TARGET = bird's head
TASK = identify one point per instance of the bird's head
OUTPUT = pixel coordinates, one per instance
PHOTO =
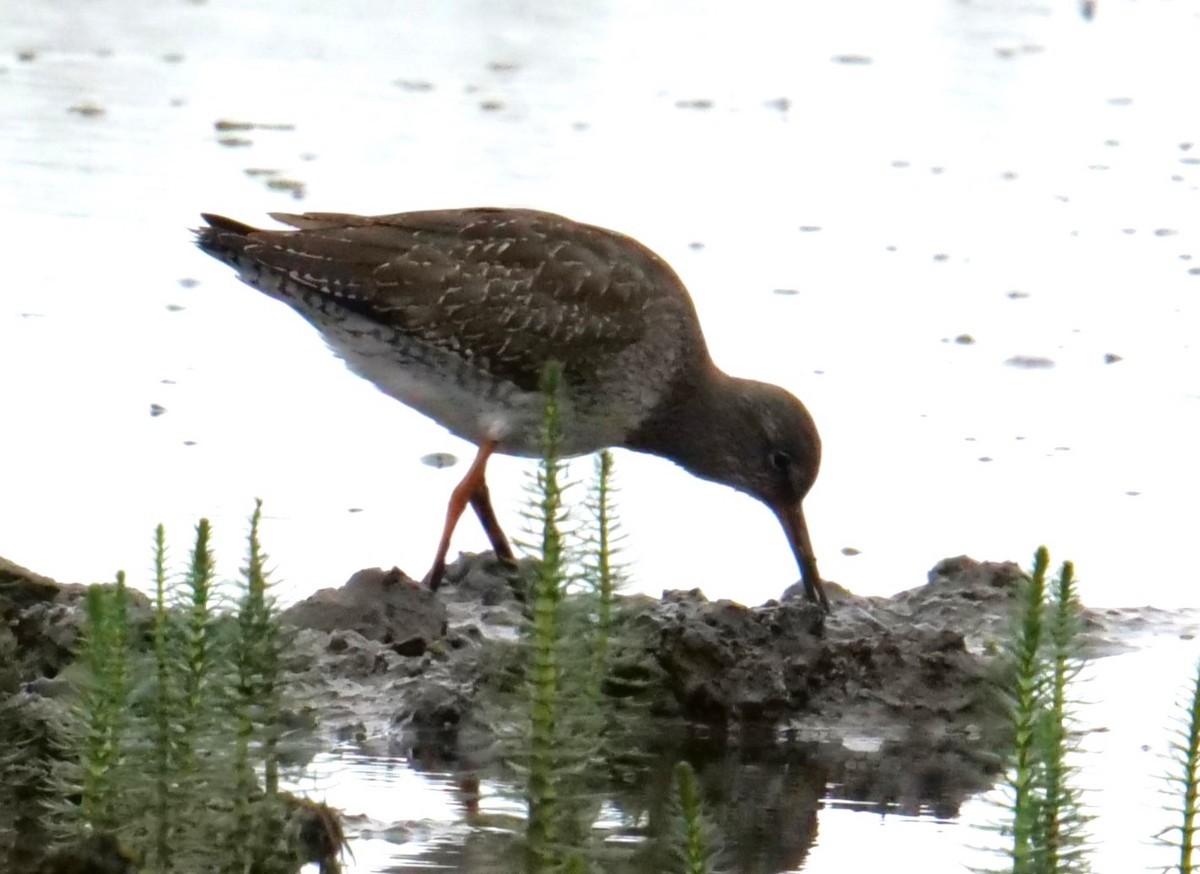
(773, 452)
(753, 436)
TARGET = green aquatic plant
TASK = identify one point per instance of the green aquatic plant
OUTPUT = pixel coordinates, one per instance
(602, 574)
(196, 659)
(543, 674)
(693, 848)
(566, 642)
(179, 748)
(164, 715)
(104, 705)
(1047, 826)
(259, 812)
(580, 734)
(1184, 782)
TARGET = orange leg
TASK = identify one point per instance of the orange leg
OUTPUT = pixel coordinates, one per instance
(472, 490)
(481, 503)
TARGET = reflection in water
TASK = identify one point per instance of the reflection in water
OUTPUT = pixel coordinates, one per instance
(761, 799)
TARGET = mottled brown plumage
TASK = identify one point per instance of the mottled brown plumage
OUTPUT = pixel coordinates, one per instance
(457, 312)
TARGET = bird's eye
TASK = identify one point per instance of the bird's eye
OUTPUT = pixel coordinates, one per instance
(780, 460)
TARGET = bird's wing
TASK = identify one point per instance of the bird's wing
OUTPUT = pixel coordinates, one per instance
(497, 286)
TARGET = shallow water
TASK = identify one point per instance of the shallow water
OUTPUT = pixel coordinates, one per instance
(874, 204)
(808, 805)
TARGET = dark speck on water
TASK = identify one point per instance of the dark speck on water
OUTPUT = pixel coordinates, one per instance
(1030, 362)
(440, 459)
(279, 183)
(87, 110)
(225, 124)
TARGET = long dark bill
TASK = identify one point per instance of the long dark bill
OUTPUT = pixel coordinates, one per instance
(792, 519)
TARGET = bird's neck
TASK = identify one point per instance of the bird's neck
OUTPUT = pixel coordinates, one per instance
(689, 426)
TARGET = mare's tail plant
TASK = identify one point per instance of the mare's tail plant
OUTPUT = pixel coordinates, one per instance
(104, 706)
(602, 574)
(197, 660)
(1047, 825)
(569, 619)
(1184, 782)
(543, 674)
(692, 845)
(165, 712)
(187, 768)
(259, 812)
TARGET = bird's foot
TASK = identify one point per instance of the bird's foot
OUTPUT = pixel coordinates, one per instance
(433, 579)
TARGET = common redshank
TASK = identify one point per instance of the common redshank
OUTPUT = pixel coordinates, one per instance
(457, 312)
